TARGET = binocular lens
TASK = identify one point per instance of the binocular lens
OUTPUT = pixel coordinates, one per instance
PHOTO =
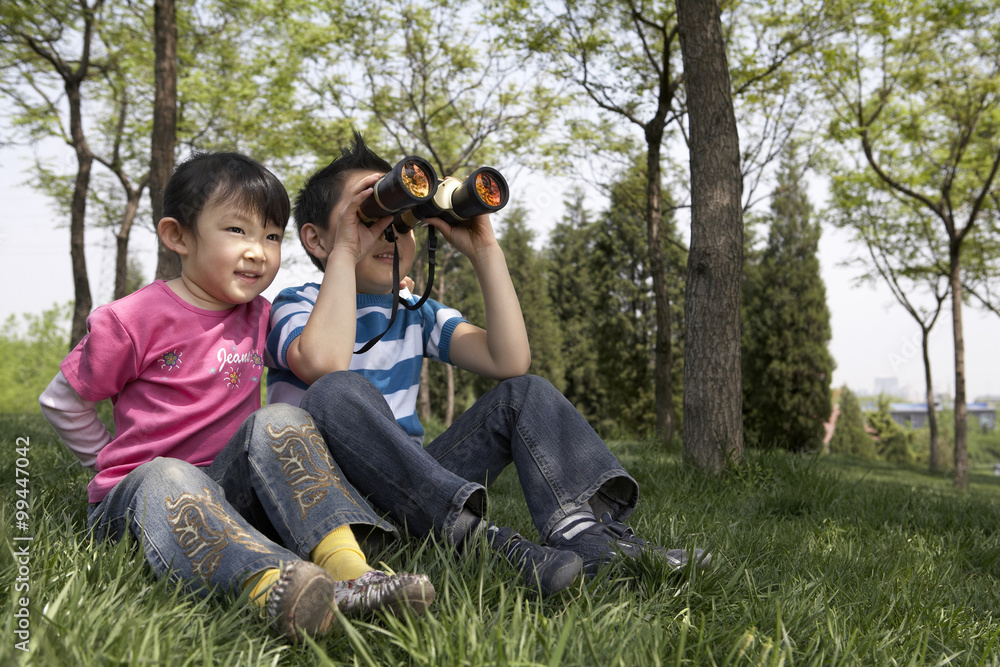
(409, 183)
(484, 191)
(416, 180)
(489, 190)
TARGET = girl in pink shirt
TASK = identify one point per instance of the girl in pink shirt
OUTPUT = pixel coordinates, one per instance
(222, 493)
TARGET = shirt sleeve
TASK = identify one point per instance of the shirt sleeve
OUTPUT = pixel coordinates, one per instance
(289, 314)
(75, 419)
(439, 325)
(105, 360)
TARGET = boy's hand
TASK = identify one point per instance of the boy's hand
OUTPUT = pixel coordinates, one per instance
(471, 237)
(353, 236)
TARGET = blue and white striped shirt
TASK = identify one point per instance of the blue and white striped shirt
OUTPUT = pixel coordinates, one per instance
(392, 365)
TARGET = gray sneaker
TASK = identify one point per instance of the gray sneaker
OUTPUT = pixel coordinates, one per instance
(301, 601)
(376, 590)
(603, 542)
(545, 570)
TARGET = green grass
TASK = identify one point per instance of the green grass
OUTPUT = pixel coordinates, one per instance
(817, 562)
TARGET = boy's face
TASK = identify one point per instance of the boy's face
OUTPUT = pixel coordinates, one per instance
(373, 272)
(232, 258)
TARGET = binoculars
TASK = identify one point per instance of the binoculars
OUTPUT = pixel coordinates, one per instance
(411, 192)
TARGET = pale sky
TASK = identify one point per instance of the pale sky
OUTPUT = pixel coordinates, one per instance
(873, 337)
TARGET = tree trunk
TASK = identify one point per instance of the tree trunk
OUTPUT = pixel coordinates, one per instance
(713, 411)
(424, 390)
(161, 161)
(663, 352)
(449, 408)
(449, 371)
(78, 213)
(961, 476)
(932, 424)
(121, 241)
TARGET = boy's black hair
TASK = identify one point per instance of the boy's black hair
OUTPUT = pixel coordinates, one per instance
(224, 178)
(321, 192)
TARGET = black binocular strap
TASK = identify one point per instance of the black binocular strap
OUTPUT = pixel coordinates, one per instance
(396, 299)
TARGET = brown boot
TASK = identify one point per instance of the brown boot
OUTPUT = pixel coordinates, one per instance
(302, 602)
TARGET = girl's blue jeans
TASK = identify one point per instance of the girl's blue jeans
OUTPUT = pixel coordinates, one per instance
(561, 462)
(269, 497)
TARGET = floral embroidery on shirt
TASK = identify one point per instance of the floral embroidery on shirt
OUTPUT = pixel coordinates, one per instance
(170, 360)
(256, 360)
(233, 378)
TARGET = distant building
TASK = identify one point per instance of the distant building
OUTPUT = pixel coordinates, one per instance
(914, 415)
(887, 386)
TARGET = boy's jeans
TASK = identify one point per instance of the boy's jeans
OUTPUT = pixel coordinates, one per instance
(561, 462)
(274, 484)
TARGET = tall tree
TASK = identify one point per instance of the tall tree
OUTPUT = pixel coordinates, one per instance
(116, 133)
(625, 60)
(527, 271)
(624, 312)
(232, 75)
(574, 298)
(164, 138)
(599, 45)
(713, 420)
(901, 247)
(787, 365)
(58, 41)
(849, 435)
(122, 138)
(916, 86)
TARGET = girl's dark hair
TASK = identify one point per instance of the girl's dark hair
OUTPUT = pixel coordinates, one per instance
(320, 194)
(224, 178)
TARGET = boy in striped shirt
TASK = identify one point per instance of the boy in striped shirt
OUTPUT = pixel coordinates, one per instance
(365, 404)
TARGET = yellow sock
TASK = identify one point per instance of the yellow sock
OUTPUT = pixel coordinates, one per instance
(340, 554)
(262, 583)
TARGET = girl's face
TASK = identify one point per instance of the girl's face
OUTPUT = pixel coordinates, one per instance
(231, 259)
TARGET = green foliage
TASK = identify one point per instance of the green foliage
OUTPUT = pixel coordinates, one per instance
(623, 61)
(432, 78)
(527, 271)
(458, 287)
(245, 81)
(893, 443)
(850, 436)
(574, 299)
(32, 350)
(983, 445)
(787, 365)
(914, 91)
(624, 314)
(601, 290)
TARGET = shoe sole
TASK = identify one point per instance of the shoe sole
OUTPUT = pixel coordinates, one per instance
(311, 610)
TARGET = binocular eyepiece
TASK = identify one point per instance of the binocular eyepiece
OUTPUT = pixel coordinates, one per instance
(411, 192)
